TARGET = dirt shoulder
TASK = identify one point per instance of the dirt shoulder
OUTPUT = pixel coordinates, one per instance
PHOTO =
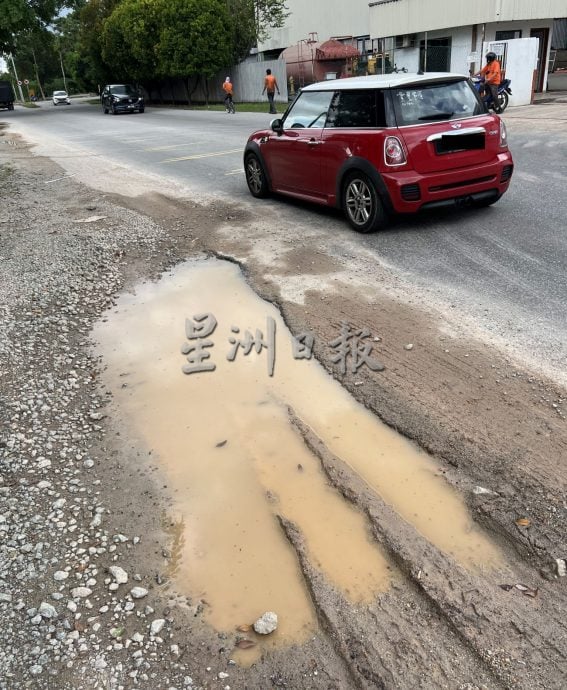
(67, 457)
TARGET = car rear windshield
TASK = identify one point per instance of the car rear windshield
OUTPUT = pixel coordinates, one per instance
(416, 105)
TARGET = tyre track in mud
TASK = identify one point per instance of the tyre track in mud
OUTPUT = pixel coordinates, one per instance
(484, 617)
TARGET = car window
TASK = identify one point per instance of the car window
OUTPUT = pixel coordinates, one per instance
(59, 93)
(435, 102)
(309, 110)
(363, 108)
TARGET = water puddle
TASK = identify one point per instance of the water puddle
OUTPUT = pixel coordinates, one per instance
(235, 462)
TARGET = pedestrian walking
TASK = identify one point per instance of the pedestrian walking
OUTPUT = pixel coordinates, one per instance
(228, 102)
(270, 87)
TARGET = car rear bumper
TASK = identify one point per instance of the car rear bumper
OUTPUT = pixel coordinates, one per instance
(410, 191)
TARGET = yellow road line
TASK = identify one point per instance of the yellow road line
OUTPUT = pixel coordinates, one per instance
(202, 155)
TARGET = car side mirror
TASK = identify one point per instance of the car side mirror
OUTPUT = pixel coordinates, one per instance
(277, 125)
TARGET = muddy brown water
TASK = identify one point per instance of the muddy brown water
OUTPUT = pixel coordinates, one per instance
(235, 462)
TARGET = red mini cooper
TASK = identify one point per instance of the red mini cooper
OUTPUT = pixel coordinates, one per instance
(384, 144)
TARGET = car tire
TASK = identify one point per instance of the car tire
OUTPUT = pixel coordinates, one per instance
(502, 101)
(113, 110)
(256, 177)
(361, 204)
(141, 110)
(105, 110)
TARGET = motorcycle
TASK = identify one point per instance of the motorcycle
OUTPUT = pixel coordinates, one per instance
(504, 91)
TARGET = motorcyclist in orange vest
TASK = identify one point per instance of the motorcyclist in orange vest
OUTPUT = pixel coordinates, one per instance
(492, 75)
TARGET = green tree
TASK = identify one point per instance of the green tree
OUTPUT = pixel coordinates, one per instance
(252, 21)
(92, 68)
(36, 58)
(268, 14)
(129, 39)
(17, 16)
(195, 39)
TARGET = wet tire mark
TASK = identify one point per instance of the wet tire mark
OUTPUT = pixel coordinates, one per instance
(459, 596)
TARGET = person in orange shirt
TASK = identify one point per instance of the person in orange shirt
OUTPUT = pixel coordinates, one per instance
(228, 102)
(270, 87)
(492, 75)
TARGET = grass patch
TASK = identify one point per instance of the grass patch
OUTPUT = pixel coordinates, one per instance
(93, 101)
(240, 107)
(29, 105)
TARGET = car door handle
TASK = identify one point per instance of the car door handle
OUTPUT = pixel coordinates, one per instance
(314, 142)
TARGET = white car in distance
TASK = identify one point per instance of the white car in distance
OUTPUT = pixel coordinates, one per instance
(61, 98)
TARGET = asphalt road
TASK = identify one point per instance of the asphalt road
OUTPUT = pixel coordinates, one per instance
(202, 149)
(502, 269)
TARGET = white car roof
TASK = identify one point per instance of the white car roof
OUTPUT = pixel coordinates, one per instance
(382, 81)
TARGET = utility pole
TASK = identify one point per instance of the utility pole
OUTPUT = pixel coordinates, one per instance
(63, 70)
(37, 74)
(11, 57)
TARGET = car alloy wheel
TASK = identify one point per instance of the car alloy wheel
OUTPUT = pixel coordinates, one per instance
(362, 206)
(255, 176)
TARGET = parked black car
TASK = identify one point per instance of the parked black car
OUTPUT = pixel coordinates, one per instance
(6, 95)
(121, 98)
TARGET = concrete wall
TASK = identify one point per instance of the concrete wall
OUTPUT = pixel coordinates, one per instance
(329, 18)
(460, 49)
(398, 17)
(521, 61)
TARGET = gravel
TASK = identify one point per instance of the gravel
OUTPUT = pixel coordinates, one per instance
(64, 614)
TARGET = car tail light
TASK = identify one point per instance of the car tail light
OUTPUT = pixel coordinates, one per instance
(503, 135)
(394, 152)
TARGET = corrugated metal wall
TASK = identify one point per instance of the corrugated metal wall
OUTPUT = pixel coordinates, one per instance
(398, 17)
(559, 36)
(248, 80)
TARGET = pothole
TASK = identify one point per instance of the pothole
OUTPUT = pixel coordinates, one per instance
(235, 461)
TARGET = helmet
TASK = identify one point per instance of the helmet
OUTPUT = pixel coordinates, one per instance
(490, 57)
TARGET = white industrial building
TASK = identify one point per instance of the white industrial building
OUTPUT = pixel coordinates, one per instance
(324, 18)
(436, 35)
